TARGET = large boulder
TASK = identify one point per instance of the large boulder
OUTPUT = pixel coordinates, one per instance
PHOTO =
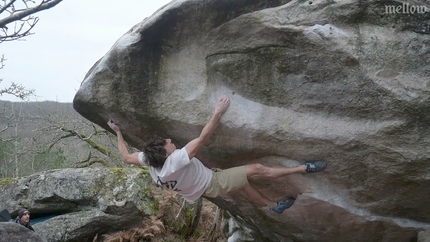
(85, 202)
(17, 233)
(424, 236)
(347, 81)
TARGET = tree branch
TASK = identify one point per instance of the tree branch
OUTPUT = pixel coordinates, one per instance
(46, 4)
(7, 6)
(88, 140)
(17, 90)
(60, 138)
(2, 130)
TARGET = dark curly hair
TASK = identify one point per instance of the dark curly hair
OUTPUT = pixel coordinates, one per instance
(155, 152)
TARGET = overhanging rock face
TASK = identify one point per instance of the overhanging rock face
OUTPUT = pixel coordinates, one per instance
(346, 81)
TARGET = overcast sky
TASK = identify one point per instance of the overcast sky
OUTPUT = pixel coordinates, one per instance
(69, 38)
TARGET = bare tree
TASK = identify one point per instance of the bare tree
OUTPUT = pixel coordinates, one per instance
(63, 127)
(16, 22)
(19, 20)
(62, 132)
(17, 90)
(13, 156)
(14, 89)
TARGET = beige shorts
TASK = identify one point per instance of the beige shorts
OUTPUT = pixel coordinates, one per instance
(225, 181)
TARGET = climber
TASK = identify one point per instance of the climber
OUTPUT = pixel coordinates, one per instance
(180, 171)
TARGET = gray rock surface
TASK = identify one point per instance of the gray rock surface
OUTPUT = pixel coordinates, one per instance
(12, 232)
(424, 236)
(342, 80)
(235, 229)
(89, 201)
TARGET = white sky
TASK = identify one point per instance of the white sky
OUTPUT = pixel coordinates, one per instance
(69, 38)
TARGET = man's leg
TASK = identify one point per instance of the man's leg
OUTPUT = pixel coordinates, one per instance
(256, 196)
(260, 171)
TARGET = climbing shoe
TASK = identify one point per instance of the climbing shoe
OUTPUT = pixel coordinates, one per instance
(315, 166)
(282, 205)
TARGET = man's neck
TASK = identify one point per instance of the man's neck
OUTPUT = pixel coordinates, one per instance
(22, 222)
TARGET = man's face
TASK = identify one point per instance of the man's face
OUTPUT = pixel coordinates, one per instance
(169, 146)
(25, 218)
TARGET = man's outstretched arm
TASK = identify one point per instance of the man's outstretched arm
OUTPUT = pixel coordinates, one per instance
(193, 146)
(122, 147)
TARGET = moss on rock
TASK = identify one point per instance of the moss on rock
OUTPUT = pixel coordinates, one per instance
(5, 181)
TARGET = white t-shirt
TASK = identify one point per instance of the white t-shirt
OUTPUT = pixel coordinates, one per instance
(190, 178)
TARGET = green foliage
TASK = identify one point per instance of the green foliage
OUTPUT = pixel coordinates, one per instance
(5, 149)
(120, 173)
(188, 220)
(51, 159)
(5, 181)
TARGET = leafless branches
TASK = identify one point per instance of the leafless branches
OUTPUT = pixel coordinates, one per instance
(16, 22)
(14, 89)
(17, 18)
(2, 60)
(17, 90)
(61, 127)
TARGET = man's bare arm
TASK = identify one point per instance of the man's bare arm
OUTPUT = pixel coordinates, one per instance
(122, 147)
(193, 146)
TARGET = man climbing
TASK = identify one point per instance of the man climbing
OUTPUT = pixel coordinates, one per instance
(181, 171)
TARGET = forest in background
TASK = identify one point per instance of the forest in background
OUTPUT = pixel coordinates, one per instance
(38, 136)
